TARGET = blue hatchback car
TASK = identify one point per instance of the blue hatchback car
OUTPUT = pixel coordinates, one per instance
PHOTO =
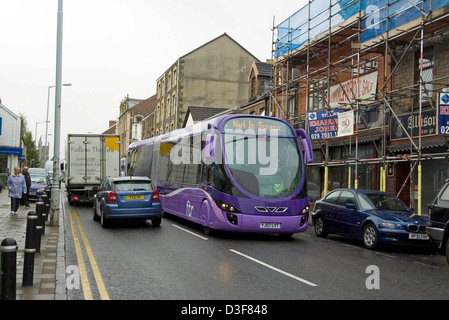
(127, 198)
(40, 184)
(371, 216)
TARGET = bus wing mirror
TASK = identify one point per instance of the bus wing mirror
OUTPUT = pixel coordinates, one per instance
(209, 149)
(302, 134)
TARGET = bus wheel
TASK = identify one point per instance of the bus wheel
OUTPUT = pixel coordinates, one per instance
(207, 230)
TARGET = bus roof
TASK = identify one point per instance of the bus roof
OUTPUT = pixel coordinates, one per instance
(217, 123)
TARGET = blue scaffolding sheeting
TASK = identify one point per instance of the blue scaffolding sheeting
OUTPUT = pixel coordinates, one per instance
(377, 18)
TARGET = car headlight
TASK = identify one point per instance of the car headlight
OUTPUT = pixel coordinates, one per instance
(42, 190)
(390, 225)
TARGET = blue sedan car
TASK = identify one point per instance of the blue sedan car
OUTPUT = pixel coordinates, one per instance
(127, 198)
(371, 216)
(40, 184)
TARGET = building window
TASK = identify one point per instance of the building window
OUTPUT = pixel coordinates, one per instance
(318, 95)
(173, 110)
(427, 74)
(365, 67)
(175, 77)
(292, 107)
(168, 108)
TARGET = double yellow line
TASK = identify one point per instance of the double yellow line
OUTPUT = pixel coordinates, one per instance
(83, 273)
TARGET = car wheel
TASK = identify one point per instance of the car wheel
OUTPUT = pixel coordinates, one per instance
(94, 214)
(319, 228)
(103, 220)
(370, 236)
(156, 222)
(447, 250)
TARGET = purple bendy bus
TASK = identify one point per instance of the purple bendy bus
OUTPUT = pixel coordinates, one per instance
(236, 173)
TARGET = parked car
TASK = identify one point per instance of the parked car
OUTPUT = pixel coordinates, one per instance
(127, 198)
(313, 190)
(438, 220)
(371, 216)
(40, 184)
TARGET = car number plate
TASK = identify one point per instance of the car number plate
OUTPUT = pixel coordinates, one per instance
(418, 236)
(270, 225)
(134, 197)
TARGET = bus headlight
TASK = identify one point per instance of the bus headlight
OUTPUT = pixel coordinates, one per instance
(226, 206)
(305, 211)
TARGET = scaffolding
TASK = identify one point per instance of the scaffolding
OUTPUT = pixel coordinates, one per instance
(353, 55)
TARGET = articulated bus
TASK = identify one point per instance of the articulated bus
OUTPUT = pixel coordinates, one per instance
(239, 173)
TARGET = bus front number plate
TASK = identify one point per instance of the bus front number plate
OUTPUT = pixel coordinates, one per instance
(270, 225)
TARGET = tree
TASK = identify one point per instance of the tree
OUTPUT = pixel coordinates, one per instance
(32, 154)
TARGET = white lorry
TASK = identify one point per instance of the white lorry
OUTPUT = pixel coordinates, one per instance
(90, 158)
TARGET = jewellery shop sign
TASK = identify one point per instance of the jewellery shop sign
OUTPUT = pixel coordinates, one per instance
(411, 124)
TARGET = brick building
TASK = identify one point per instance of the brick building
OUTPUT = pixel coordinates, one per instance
(381, 66)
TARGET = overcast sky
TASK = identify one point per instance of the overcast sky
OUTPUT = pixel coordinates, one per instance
(113, 48)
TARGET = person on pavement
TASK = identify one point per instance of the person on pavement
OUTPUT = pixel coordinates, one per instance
(25, 198)
(17, 187)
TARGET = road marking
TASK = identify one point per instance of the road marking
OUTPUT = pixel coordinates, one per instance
(188, 231)
(100, 284)
(274, 268)
(426, 264)
(384, 254)
(83, 274)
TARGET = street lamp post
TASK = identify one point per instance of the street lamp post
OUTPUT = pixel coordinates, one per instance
(54, 215)
(35, 131)
(48, 107)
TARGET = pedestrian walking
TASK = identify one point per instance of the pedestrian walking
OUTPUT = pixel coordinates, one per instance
(17, 186)
(26, 195)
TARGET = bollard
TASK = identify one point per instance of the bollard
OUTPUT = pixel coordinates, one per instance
(40, 210)
(30, 250)
(38, 232)
(46, 201)
(9, 269)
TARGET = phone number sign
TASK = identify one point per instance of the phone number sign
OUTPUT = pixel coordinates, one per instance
(323, 124)
(443, 113)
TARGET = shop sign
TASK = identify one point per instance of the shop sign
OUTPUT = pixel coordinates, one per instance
(411, 124)
(443, 113)
(346, 92)
(323, 124)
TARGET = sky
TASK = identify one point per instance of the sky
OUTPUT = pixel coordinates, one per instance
(112, 49)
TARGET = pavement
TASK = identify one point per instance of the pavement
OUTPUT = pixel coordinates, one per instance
(49, 277)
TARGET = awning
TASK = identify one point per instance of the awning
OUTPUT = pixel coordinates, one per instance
(344, 142)
(406, 146)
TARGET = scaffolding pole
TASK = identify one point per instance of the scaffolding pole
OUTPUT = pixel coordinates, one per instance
(317, 53)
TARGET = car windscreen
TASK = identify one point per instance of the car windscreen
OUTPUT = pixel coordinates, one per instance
(381, 201)
(132, 186)
(39, 179)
